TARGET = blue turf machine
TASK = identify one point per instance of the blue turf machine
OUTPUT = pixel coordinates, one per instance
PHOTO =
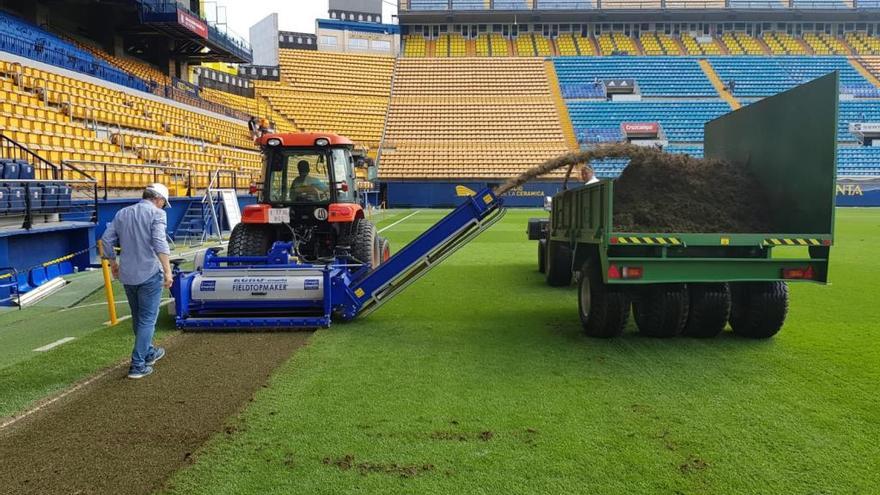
(280, 290)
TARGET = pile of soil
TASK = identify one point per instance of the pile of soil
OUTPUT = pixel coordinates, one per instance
(674, 193)
(663, 192)
(128, 436)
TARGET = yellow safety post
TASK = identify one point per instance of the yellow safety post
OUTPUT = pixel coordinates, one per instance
(108, 285)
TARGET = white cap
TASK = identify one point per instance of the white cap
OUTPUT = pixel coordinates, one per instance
(162, 191)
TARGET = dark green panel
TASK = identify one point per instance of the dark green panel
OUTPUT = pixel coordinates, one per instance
(789, 141)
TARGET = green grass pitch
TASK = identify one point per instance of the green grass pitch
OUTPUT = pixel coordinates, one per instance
(477, 379)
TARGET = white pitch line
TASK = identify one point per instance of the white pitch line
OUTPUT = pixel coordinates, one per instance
(128, 317)
(91, 305)
(397, 222)
(54, 344)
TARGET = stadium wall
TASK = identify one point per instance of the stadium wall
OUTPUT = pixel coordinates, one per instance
(531, 195)
(108, 209)
(449, 194)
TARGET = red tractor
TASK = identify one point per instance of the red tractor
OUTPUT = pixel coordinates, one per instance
(309, 197)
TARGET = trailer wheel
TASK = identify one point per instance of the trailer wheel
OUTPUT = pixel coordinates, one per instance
(759, 309)
(604, 309)
(558, 265)
(542, 255)
(363, 243)
(709, 310)
(661, 310)
(250, 240)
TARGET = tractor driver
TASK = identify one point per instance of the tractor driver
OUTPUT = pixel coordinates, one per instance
(306, 186)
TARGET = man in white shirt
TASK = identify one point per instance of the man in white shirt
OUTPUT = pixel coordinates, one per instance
(588, 176)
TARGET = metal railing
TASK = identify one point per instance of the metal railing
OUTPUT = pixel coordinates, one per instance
(67, 60)
(182, 181)
(49, 201)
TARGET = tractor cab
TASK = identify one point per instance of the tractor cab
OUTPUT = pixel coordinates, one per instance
(309, 197)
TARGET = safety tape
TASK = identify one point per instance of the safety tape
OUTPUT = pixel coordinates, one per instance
(797, 241)
(47, 263)
(662, 241)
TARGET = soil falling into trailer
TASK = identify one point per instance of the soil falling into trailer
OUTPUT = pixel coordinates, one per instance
(666, 192)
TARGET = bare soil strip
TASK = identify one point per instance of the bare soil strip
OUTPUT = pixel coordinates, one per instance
(128, 436)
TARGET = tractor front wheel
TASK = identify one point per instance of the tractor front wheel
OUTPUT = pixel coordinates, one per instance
(250, 240)
(363, 243)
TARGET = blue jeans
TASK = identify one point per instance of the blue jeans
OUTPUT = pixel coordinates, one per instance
(144, 302)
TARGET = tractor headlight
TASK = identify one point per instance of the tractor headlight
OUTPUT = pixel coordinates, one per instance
(322, 142)
(273, 142)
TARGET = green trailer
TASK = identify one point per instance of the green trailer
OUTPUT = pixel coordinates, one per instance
(695, 283)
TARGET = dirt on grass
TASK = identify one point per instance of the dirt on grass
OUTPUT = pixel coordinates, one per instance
(128, 436)
(675, 193)
(662, 192)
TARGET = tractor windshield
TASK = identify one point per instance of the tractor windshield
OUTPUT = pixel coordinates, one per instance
(299, 177)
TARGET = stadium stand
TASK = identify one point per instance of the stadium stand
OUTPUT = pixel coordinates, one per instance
(257, 107)
(414, 46)
(27, 40)
(682, 121)
(694, 47)
(655, 76)
(323, 91)
(764, 76)
(63, 118)
(138, 68)
(469, 118)
(862, 44)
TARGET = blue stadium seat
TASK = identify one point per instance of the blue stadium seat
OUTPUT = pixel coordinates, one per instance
(28, 40)
(858, 161)
(656, 76)
(65, 267)
(64, 197)
(53, 271)
(511, 5)
(428, 5)
(4, 200)
(50, 198)
(563, 4)
(765, 76)
(681, 120)
(34, 193)
(22, 285)
(10, 170)
(37, 277)
(16, 200)
(25, 170)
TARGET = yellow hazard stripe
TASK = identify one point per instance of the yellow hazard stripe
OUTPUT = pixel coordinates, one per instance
(649, 240)
(796, 241)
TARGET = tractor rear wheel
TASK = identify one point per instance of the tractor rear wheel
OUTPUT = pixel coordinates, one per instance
(558, 267)
(661, 310)
(759, 309)
(250, 240)
(363, 243)
(383, 249)
(709, 310)
(542, 255)
(603, 309)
